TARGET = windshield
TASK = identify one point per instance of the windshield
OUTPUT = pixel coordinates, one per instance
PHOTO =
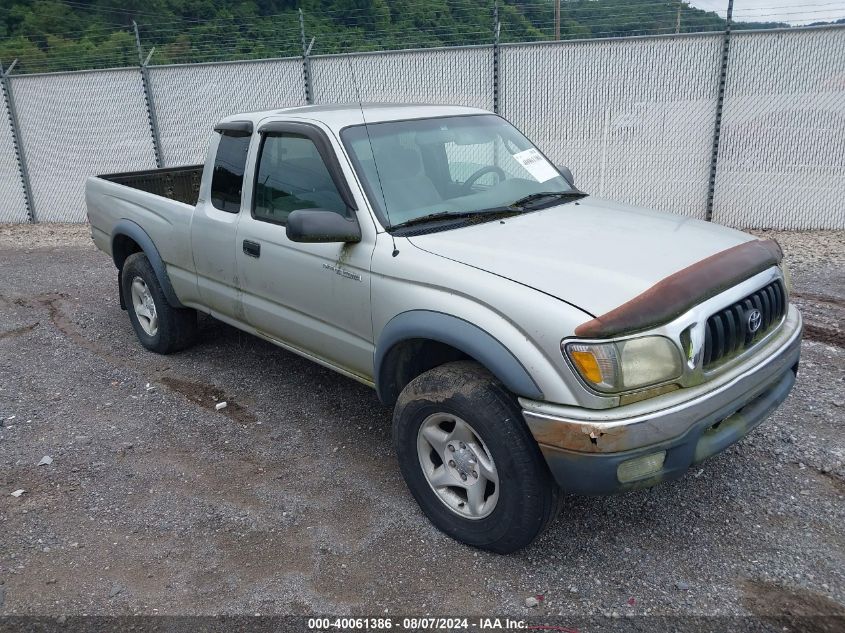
(449, 165)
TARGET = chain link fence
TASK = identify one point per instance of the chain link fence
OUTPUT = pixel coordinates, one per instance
(13, 205)
(74, 125)
(781, 157)
(634, 118)
(459, 76)
(190, 99)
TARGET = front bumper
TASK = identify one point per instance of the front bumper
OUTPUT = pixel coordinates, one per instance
(584, 448)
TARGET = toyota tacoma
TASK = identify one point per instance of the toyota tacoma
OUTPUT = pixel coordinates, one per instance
(531, 339)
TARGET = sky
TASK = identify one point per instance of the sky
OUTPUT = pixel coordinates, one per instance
(790, 11)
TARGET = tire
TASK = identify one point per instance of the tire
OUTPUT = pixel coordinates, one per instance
(525, 500)
(159, 326)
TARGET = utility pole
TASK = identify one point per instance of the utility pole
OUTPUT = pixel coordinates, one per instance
(306, 61)
(678, 21)
(148, 96)
(720, 102)
(557, 19)
(17, 141)
(497, 29)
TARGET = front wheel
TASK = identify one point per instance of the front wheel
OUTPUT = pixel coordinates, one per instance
(470, 461)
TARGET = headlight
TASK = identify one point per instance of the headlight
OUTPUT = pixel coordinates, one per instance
(624, 365)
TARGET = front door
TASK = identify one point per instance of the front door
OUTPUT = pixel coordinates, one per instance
(214, 225)
(314, 297)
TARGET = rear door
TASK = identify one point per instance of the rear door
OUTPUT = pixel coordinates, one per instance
(215, 220)
(312, 297)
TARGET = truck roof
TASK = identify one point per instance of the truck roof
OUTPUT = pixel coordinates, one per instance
(338, 116)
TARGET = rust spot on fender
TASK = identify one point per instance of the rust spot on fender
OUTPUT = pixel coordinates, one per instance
(684, 289)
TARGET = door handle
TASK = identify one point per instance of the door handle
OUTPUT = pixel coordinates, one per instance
(253, 249)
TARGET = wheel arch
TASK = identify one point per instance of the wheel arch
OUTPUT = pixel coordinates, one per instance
(418, 340)
(128, 238)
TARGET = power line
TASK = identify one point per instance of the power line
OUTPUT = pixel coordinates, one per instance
(572, 9)
(261, 22)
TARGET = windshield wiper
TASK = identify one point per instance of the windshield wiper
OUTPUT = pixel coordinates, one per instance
(449, 215)
(514, 208)
(525, 202)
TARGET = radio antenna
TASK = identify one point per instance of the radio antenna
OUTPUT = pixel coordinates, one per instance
(372, 149)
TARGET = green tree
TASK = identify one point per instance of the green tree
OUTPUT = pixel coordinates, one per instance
(62, 35)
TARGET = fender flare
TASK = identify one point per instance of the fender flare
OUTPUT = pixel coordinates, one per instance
(134, 231)
(460, 334)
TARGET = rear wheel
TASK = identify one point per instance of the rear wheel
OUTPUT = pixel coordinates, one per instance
(159, 326)
(470, 461)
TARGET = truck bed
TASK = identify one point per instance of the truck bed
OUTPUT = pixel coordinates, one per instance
(177, 183)
(160, 202)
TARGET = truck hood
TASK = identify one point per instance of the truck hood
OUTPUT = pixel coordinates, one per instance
(594, 254)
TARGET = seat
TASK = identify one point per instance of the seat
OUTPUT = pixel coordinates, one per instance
(404, 184)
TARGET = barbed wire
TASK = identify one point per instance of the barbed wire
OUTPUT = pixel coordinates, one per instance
(229, 38)
(568, 9)
(264, 22)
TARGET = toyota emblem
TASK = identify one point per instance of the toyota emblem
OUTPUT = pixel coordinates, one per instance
(753, 321)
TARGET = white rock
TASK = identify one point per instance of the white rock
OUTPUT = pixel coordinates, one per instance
(220, 405)
(531, 601)
(45, 461)
(18, 493)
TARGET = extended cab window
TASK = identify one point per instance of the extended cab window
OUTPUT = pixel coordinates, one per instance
(292, 175)
(228, 178)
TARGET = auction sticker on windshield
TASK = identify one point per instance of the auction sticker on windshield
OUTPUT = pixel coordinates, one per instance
(536, 165)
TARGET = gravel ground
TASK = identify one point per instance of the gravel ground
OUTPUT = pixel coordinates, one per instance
(289, 500)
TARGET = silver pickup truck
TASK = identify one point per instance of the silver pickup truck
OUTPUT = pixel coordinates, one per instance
(531, 339)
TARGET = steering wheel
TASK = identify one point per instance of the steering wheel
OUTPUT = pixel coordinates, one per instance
(487, 169)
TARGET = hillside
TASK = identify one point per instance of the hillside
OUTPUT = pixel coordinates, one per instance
(51, 35)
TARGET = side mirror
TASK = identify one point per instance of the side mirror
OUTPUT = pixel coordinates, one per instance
(564, 170)
(319, 225)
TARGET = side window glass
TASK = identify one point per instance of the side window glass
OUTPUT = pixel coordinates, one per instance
(292, 175)
(228, 177)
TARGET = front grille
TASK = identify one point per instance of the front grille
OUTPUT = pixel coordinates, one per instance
(728, 334)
